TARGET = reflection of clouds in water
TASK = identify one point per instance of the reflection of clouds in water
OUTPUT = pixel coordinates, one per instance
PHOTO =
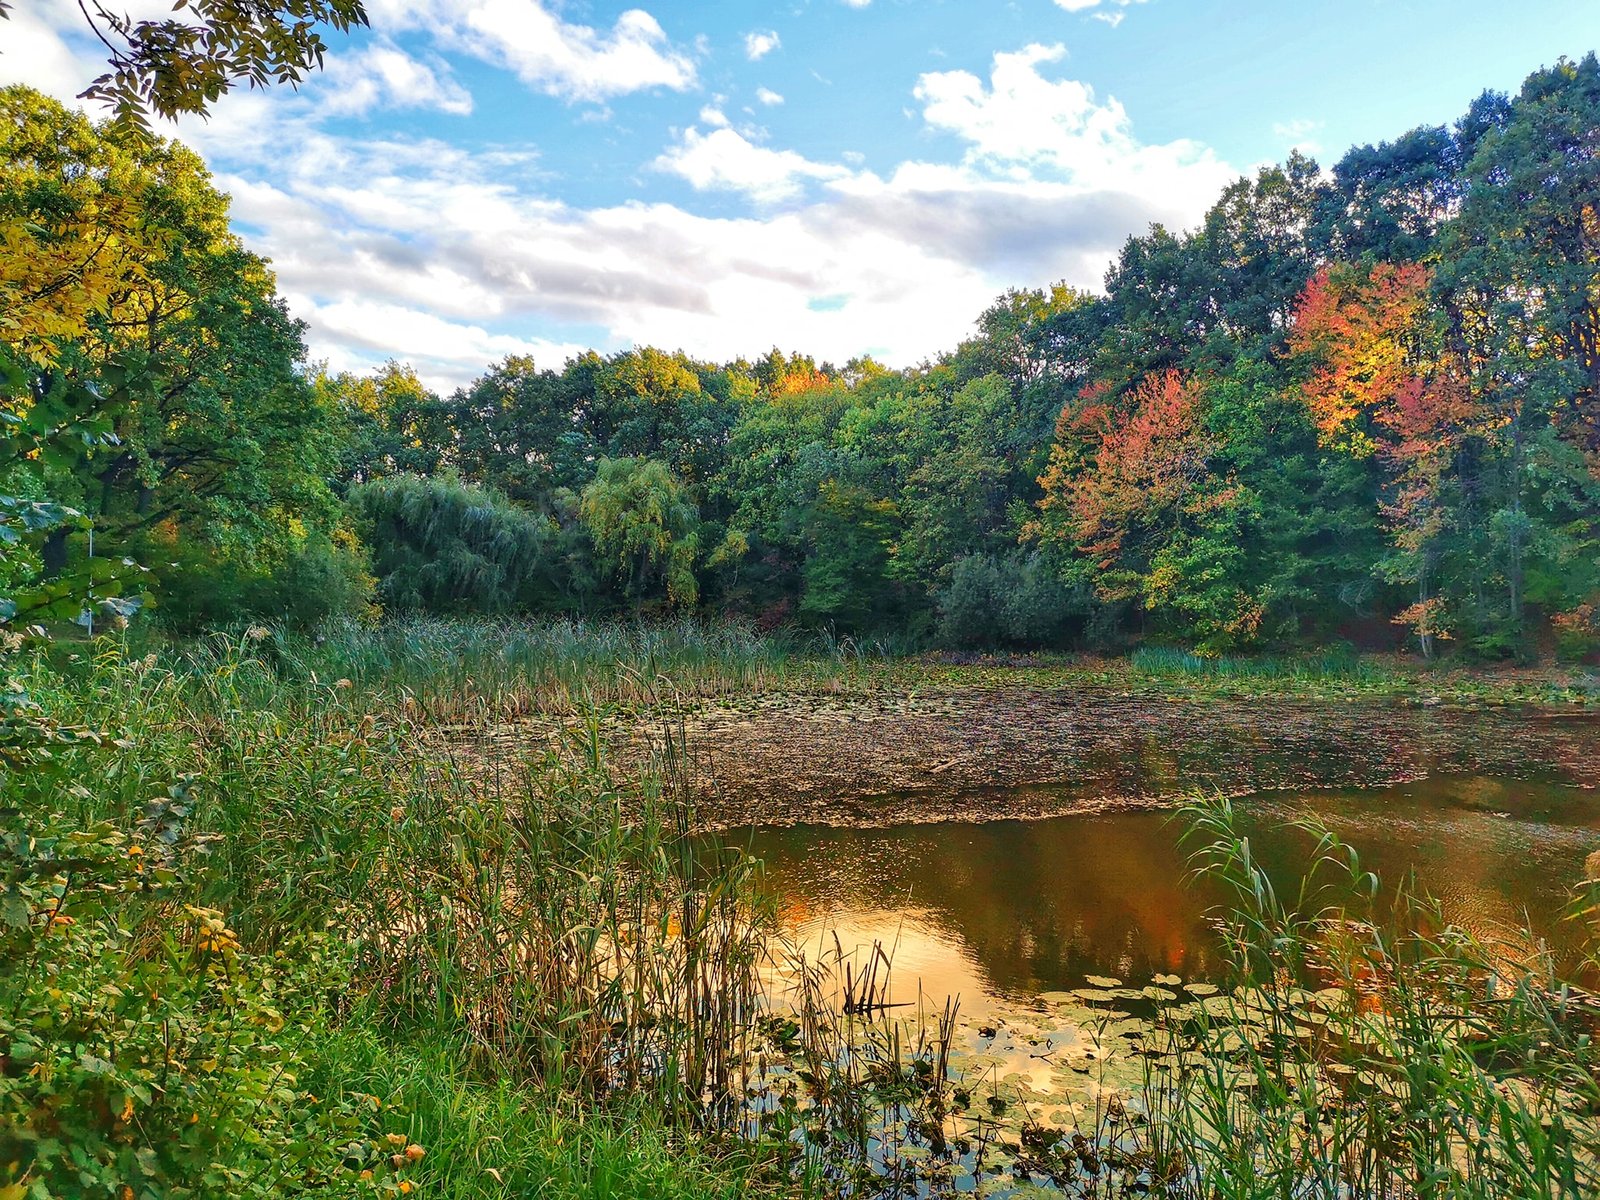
(1011, 909)
(926, 960)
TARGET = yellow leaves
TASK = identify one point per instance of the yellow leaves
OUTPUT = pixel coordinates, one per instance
(212, 935)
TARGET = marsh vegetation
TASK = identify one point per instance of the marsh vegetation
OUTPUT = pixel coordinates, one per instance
(287, 905)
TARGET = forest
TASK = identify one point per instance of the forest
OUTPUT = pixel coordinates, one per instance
(1352, 405)
(538, 788)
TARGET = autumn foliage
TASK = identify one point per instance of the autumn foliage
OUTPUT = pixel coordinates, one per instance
(1362, 328)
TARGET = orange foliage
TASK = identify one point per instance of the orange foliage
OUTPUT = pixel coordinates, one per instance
(1361, 327)
(1150, 460)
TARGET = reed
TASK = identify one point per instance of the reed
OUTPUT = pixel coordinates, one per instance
(543, 941)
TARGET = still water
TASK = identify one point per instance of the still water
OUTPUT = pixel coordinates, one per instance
(1000, 911)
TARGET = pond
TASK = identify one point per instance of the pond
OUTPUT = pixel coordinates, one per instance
(1016, 849)
(1000, 911)
(1012, 841)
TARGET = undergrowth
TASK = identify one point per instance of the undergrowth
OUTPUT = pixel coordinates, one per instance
(262, 936)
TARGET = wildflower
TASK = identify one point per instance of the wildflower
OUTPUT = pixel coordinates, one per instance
(405, 1186)
(395, 1139)
(397, 814)
(257, 633)
(415, 1152)
(342, 683)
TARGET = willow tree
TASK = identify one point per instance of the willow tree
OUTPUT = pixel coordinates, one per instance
(645, 528)
(442, 546)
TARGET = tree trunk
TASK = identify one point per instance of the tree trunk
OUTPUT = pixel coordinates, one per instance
(54, 552)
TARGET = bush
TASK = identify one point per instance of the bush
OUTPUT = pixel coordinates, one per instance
(1013, 601)
(148, 1055)
(301, 583)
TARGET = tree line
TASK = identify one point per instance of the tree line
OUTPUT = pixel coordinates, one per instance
(1360, 403)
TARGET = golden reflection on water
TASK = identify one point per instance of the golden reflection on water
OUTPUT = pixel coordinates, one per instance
(1005, 910)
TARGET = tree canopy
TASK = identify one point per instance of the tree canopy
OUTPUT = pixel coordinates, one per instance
(1358, 403)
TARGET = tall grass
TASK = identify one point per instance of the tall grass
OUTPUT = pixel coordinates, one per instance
(1340, 664)
(544, 955)
(478, 672)
(1371, 1054)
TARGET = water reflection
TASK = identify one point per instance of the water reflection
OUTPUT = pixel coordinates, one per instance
(1010, 909)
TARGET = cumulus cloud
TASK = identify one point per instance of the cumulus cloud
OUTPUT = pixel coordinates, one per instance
(831, 256)
(768, 97)
(38, 51)
(726, 158)
(1022, 124)
(384, 76)
(451, 256)
(561, 58)
(760, 43)
(1109, 11)
(1298, 134)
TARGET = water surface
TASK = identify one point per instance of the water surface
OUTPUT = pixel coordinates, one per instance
(999, 911)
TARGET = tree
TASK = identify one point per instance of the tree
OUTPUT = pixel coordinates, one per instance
(1381, 385)
(440, 546)
(392, 424)
(641, 518)
(1147, 515)
(191, 368)
(519, 429)
(69, 241)
(174, 65)
(1362, 327)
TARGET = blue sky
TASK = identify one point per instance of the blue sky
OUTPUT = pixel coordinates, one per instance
(474, 178)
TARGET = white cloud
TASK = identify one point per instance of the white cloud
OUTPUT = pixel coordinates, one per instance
(384, 76)
(363, 332)
(568, 60)
(1297, 134)
(768, 97)
(451, 258)
(403, 246)
(727, 159)
(36, 52)
(1023, 125)
(51, 48)
(1108, 11)
(760, 43)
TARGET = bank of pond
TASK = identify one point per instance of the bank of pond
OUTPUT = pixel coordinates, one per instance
(277, 927)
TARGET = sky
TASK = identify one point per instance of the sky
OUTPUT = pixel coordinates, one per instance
(471, 179)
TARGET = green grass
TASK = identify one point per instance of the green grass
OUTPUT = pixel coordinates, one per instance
(489, 1139)
(554, 986)
(1342, 665)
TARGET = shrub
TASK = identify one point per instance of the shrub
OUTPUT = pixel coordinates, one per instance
(147, 1054)
(1010, 601)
